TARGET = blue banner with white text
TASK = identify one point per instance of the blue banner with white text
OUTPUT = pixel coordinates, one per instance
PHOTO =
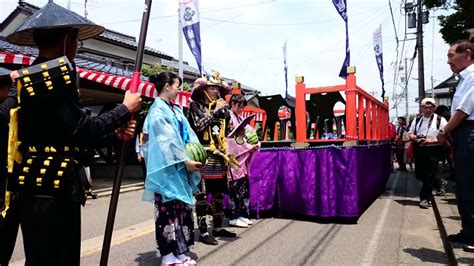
(189, 17)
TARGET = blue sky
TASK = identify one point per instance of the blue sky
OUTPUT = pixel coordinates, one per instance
(244, 39)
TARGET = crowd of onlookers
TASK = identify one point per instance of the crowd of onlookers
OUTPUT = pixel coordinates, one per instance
(440, 139)
(403, 146)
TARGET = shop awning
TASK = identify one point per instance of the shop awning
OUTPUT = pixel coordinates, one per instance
(119, 82)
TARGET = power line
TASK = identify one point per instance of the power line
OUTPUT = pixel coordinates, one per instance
(377, 12)
(245, 23)
(397, 44)
(201, 11)
(393, 22)
(270, 24)
(412, 60)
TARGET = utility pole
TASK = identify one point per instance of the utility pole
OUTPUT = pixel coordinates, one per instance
(180, 43)
(419, 42)
(85, 9)
(406, 90)
(432, 87)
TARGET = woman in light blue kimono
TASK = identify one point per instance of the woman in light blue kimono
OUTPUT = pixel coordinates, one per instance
(171, 178)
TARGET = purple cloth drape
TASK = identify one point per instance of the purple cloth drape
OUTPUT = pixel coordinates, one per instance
(322, 182)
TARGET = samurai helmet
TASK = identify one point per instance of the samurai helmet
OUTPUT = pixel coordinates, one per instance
(211, 80)
(50, 17)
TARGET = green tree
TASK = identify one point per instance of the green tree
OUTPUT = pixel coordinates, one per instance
(148, 70)
(454, 26)
(187, 86)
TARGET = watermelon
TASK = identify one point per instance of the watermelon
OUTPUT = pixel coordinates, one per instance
(251, 137)
(196, 152)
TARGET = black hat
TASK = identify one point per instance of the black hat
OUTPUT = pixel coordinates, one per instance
(4, 76)
(4, 72)
(53, 16)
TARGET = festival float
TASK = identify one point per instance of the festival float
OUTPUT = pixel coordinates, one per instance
(337, 175)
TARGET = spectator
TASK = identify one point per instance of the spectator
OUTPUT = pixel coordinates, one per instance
(427, 149)
(392, 133)
(400, 143)
(461, 128)
(443, 111)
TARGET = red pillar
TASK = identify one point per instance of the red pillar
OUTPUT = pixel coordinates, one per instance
(387, 117)
(351, 132)
(374, 121)
(300, 110)
(368, 119)
(361, 134)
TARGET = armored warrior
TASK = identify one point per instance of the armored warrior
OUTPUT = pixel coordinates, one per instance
(209, 117)
(52, 129)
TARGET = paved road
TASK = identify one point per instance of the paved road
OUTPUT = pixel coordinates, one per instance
(392, 231)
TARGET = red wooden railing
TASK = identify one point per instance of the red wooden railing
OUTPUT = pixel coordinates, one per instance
(359, 105)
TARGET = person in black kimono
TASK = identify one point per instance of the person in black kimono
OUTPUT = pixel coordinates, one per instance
(54, 128)
(8, 223)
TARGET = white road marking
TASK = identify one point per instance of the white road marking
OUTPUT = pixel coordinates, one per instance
(374, 241)
(93, 245)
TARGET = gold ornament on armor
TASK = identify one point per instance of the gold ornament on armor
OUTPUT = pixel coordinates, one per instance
(219, 133)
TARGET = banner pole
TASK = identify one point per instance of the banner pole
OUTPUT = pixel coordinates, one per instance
(109, 227)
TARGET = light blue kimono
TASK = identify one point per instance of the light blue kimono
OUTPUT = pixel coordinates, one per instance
(165, 153)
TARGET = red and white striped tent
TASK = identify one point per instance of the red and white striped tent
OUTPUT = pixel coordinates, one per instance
(119, 82)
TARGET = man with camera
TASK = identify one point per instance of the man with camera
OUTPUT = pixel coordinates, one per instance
(423, 133)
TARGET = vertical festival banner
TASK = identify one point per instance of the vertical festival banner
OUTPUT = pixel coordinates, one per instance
(379, 55)
(286, 71)
(341, 7)
(189, 15)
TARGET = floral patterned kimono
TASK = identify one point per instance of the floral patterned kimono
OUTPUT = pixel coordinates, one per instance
(238, 177)
(168, 183)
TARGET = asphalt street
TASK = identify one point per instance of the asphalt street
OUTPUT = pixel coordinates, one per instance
(393, 231)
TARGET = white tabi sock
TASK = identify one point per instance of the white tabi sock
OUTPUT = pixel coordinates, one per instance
(168, 259)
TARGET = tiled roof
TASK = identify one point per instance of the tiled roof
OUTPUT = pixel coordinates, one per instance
(119, 82)
(175, 65)
(104, 68)
(113, 36)
(129, 41)
(28, 7)
(81, 61)
(108, 34)
(12, 48)
(442, 90)
(450, 82)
